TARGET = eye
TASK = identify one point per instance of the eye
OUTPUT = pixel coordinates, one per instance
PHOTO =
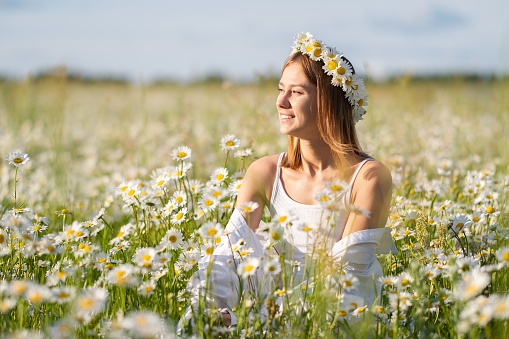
(297, 92)
(280, 90)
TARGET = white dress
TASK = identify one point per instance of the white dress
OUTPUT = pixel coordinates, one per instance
(359, 259)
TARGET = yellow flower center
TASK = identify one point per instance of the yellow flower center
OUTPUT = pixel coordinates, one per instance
(131, 192)
(181, 154)
(333, 65)
(60, 275)
(208, 202)
(324, 198)
(212, 232)
(120, 274)
(276, 236)
(79, 234)
(102, 260)
(146, 257)
(282, 219)
(180, 215)
(361, 102)
(2, 238)
(475, 219)
(230, 143)
(317, 52)
(307, 229)
(63, 295)
(490, 210)
(179, 200)
(209, 251)
(148, 289)
(405, 282)
(17, 160)
(341, 71)
(173, 238)
(120, 234)
(506, 256)
(342, 313)
(348, 283)
(249, 268)
(160, 183)
(220, 177)
(123, 189)
(459, 225)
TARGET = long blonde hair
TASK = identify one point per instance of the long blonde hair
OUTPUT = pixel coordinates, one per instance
(334, 115)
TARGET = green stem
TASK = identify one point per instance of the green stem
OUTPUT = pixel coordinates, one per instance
(15, 181)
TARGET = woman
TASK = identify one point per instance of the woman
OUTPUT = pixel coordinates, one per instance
(320, 100)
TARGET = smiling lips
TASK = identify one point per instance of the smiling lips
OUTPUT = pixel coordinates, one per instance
(284, 116)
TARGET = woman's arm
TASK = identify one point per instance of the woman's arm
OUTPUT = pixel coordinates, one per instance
(371, 191)
(257, 186)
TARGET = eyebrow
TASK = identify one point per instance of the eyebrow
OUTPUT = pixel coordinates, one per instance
(293, 85)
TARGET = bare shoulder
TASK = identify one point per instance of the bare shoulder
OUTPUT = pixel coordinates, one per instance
(261, 174)
(374, 175)
(265, 166)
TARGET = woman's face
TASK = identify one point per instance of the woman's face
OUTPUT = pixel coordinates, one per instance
(296, 104)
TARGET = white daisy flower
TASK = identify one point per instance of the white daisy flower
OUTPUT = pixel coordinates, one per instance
(174, 238)
(122, 233)
(189, 246)
(473, 283)
(238, 176)
(359, 211)
(121, 275)
(211, 230)
(249, 206)
(229, 142)
(219, 175)
(147, 288)
(179, 217)
(248, 267)
(208, 202)
(92, 300)
(503, 255)
(181, 153)
(17, 158)
(324, 197)
(169, 207)
(217, 192)
(195, 186)
(160, 181)
(234, 187)
(460, 222)
(272, 267)
(180, 198)
(243, 153)
(208, 248)
(144, 257)
(143, 324)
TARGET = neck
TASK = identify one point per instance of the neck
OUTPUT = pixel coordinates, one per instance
(316, 156)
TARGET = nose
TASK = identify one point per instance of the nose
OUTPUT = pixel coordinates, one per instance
(282, 100)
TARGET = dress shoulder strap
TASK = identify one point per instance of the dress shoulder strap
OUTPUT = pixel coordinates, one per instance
(280, 159)
(358, 170)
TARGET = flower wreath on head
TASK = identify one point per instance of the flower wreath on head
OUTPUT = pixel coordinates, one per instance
(337, 67)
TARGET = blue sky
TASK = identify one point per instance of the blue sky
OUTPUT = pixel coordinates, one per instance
(185, 40)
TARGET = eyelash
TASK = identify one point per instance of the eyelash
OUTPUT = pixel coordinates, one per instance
(282, 90)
